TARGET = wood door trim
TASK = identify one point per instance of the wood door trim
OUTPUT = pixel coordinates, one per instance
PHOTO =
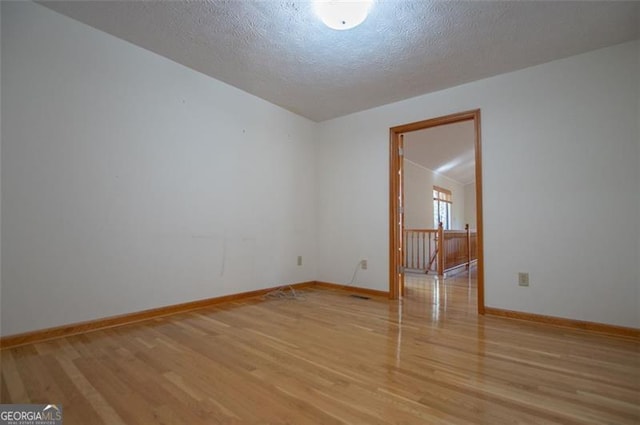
(395, 247)
(395, 167)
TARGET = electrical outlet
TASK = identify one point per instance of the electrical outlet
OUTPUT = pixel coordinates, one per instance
(523, 279)
(299, 260)
(363, 264)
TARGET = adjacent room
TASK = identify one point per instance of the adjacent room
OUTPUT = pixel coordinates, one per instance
(341, 212)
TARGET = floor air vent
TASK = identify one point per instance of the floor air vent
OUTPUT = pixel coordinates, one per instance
(362, 297)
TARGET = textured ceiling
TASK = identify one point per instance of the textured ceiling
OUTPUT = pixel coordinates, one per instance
(280, 51)
(445, 149)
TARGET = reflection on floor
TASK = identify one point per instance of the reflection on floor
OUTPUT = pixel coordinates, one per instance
(429, 296)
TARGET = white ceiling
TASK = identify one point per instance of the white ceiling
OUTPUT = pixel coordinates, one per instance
(280, 51)
(447, 149)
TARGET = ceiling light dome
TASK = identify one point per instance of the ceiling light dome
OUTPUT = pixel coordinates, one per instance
(342, 14)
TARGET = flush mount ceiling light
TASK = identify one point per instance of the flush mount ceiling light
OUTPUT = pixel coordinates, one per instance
(342, 14)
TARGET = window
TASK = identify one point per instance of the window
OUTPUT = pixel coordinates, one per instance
(441, 207)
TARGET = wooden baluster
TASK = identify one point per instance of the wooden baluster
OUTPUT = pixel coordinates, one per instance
(413, 254)
(406, 251)
(413, 249)
(418, 236)
(441, 252)
(466, 227)
(430, 251)
(409, 252)
(424, 251)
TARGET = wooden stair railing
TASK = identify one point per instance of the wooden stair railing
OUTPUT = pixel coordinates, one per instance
(446, 249)
(419, 249)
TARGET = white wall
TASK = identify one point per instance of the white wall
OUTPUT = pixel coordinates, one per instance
(0, 177)
(560, 167)
(470, 205)
(131, 182)
(638, 182)
(418, 197)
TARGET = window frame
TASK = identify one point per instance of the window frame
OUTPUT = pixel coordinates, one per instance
(442, 196)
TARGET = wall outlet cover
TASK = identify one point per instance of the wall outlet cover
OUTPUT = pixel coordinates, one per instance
(523, 279)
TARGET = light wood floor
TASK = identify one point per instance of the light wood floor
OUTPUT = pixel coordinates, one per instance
(334, 359)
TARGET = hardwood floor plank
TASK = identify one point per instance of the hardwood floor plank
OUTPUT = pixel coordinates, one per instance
(10, 375)
(5, 396)
(70, 395)
(104, 410)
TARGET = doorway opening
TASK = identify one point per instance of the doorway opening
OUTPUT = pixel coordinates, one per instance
(397, 236)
